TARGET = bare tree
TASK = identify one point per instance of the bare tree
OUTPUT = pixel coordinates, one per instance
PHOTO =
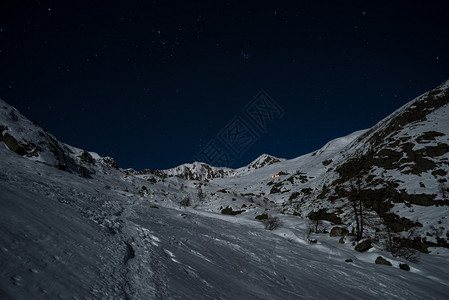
(315, 226)
(355, 201)
(393, 244)
(442, 188)
(271, 223)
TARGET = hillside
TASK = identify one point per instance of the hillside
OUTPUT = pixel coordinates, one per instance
(75, 225)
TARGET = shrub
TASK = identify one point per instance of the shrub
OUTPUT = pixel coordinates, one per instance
(272, 223)
(410, 254)
(315, 226)
(185, 202)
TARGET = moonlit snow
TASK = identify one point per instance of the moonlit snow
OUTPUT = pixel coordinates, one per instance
(98, 232)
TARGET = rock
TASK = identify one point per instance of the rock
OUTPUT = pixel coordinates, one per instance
(429, 136)
(87, 158)
(348, 260)
(363, 246)
(439, 172)
(417, 243)
(327, 162)
(261, 217)
(12, 143)
(382, 261)
(13, 116)
(338, 231)
(228, 211)
(110, 163)
(434, 151)
(418, 199)
(422, 165)
(342, 240)
(404, 267)
(322, 214)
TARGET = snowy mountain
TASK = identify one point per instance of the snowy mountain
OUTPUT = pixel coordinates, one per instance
(75, 225)
(25, 138)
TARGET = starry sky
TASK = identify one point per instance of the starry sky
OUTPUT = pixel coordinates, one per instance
(155, 83)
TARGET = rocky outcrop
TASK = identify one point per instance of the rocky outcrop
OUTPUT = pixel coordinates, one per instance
(323, 214)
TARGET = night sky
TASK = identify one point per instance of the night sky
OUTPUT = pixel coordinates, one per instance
(152, 83)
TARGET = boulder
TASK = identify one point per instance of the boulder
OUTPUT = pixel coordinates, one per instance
(404, 267)
(263, 216)
(342, 240)
(12, 143)
(363, 246)
(327, 162)
(382, 261)
(338, 231)
(228, 211)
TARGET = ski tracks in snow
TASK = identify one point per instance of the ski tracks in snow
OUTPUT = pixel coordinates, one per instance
(137, 270)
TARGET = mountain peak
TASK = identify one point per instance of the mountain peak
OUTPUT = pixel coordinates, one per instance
(28, 139)
(262, 161)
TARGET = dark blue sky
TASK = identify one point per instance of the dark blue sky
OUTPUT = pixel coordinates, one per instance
(152, 82)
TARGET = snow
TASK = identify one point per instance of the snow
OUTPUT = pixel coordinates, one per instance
(56, 243)
(122, 234)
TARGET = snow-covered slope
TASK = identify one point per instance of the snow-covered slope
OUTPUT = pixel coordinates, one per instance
(64, 236)
(75, 225)
(25, 138)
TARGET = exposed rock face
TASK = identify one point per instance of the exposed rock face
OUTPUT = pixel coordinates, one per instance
(110, 163)
(322, 214)
(201, 171)
(196, 171)
(13, 144)
(387, 142)
(262, 161)
(87, 158)
(228, 211)
(411, 145)
(25, 138)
